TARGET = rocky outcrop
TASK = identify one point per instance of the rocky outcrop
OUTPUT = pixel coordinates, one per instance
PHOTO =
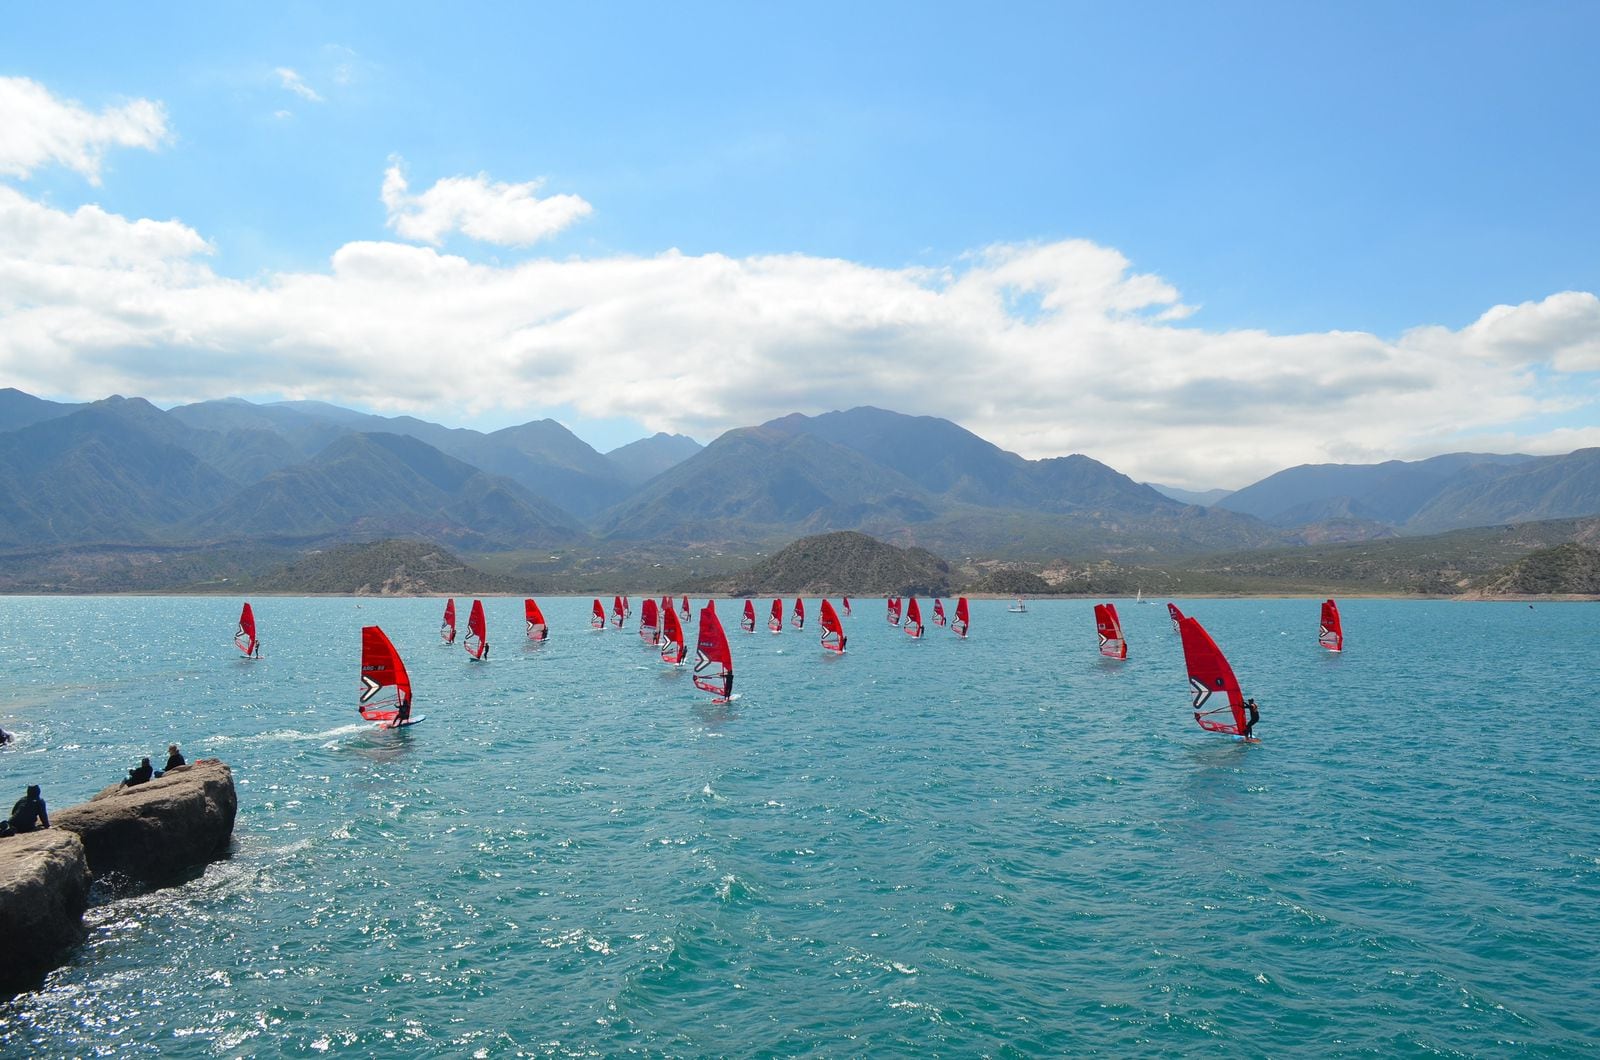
(159, 831)
(44, 889)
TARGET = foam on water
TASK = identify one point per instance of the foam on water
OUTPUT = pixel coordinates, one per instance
(1004, 845)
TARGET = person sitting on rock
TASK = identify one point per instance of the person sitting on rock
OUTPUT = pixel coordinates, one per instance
(29, 814)
(140, 773)
(174, 758)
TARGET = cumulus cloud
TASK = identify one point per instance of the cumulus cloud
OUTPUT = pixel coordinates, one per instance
(294, 83)
(506, 214)
(1046, 348)
(37, 129)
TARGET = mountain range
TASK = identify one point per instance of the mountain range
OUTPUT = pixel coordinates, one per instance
(122, 473)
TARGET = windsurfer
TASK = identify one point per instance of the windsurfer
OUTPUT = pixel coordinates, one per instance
(1255, 716)
(403, 712)
(5, 737)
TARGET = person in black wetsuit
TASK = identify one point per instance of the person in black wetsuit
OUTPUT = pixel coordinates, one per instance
(140, 773)
(28, 814)
(5, 737)
(174, 758)
(403, 715)
(1255, 716)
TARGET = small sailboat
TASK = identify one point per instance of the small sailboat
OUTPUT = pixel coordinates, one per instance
(938, 612)
(1018, 606)
(598, 619)
(245, 637)
(1177, 618)
(748, 622)
(672, 646)
(798, 619)
(833, 638)
(913, 626)
(713, 669)
(381, 668)
(1109, 629)
(617, 613)
(687, 614)
(845, 600)
(649, 624)
(962, 623)
(538, 628)
(627, 606)
(894, 610)
(1209, 674)
(775, 620)
(1330, 633)
(477, 639)
(447, 629)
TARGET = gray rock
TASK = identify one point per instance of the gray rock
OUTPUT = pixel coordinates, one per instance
(44, 889)
(162, 830)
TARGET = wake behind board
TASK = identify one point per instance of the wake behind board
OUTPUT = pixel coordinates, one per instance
(418, 720)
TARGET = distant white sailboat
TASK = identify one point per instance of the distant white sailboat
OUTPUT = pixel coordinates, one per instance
(1018, 606)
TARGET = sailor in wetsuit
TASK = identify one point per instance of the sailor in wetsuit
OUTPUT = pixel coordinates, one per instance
(1255, 716)
(403, 716)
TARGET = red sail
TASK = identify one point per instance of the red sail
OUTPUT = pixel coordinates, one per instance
(748, 622)
(833, 638)
(649, 625)
(938, 611)
(798, 619)
(913, 625)
(599, 619)
(538, 628)
(894, 610)
(1331, 633)
(1177, 618)
(627, 606)
(1109, 627)
(962, 623)
(775, 620)
(713, 669)
(447, 630)
(673, 648)
(846, 606)
(617, 614)
(686, 611)
(477, 639)
(1209, 673)
(245, 637)
(381, 668)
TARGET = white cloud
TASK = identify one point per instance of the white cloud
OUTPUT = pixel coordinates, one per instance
(506, 214)
(37, 129)
(1047, 349)
(293, 82)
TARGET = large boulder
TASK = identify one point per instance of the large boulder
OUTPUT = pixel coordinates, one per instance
(159, 831)
(44, 889)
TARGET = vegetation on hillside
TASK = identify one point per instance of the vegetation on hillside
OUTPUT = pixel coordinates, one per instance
(843, 562)
(382, 568)
(1564, 569)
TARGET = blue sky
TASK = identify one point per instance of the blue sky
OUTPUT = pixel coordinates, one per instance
(1369, 168)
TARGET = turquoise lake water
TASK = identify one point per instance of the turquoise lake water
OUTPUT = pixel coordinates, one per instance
(1003, 846)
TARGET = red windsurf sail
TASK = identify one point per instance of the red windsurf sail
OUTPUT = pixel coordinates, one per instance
(381, 669)
(798, 619)
(617, 614)
(627, 606)
(938, 611)
(1209, 674)
(1331, 634)
(673, 648)
(649, 625)
(538, 628)
(894, 610)
(713, 669)
(833, 638)
(477, 639)
(748, 622)
(245, 637)
(775, 620)
(1177, 618)
(962, 622)
(1109, 627)
(913, 626)
(598, 619)
(686, 612)
(447, 629)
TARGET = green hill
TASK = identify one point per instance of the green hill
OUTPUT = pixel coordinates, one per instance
(1012, 581)
(844, 562)
(1569, 568)
(382, 568)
